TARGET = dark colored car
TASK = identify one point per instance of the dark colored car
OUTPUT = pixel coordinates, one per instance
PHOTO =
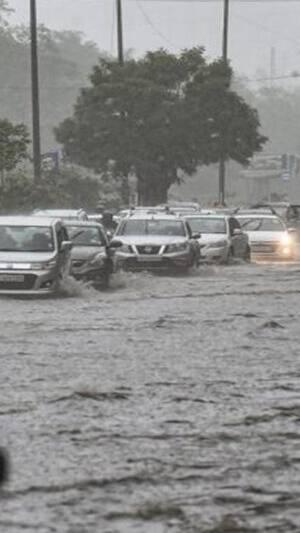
(92, 256)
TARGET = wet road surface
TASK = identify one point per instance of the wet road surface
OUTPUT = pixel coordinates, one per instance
(166, 404)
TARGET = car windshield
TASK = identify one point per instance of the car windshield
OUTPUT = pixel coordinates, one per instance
(152, 227)
(26, 239)
(261, 224)
(86, 236)
(207, 224)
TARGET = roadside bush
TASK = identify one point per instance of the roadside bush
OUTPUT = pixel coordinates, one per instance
(65, 189)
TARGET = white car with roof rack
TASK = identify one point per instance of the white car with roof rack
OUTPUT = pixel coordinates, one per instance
(62, 214)
(221, 237)
(268, 234)
(156, 241)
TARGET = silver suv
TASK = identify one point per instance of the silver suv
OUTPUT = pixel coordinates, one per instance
(156, 242)
(92, 255)
(34, 254)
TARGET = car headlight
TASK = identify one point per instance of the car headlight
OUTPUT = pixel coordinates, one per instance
(286, 240)
(125, 249)
(217, 244)
(43, 266)
(97, 259)
(179, 247)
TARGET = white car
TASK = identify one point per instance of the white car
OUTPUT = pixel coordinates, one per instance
(221, 237)
(62, 214)
(269, 237)
(156, 242)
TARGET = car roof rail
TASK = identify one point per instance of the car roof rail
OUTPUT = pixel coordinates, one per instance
(264, 206)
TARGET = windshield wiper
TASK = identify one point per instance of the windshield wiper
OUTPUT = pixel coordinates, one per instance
(249, 222)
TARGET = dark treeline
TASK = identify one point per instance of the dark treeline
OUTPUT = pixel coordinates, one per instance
(65, 61)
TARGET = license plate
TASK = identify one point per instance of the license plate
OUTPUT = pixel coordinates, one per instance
(263, 249)
(148, 258)
(17, 278)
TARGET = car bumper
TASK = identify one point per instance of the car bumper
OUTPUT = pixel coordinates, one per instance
(155, 262)
(287, 253)
(214, 255)
(29, 282)
(259, 256)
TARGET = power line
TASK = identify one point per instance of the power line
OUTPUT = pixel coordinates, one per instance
(151, 24)
(267, 29)
(274, 78)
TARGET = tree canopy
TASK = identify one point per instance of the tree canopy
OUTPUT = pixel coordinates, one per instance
(65, 60)
(14, 141)
(157, 116)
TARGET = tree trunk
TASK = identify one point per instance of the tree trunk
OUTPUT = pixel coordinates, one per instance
(152, 191)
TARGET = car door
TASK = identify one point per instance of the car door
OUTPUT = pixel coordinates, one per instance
(194, 244)
(239, 239)
(64, 256)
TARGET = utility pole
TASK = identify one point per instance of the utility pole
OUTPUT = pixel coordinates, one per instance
(35, 93)
(272, 65)
(222, 163)
(120, 32)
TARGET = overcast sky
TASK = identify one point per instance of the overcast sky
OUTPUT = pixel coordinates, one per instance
(255, 27)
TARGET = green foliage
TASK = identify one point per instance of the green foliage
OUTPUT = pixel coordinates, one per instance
(14, 141)
(159, 115)
(68, 188)
(4, 10)
(65, 60)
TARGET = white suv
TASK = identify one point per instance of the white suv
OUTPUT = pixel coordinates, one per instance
(156, 242)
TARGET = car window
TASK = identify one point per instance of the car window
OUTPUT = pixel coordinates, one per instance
(26, 239)
(261, 224)
(152, 227)
(207, 225)
(86, 235)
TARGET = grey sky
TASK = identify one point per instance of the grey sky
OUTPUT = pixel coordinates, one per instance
(255, 27)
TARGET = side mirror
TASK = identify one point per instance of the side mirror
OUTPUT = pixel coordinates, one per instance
(196, 235)
(115, 244)
(236, 232)
(66, 246)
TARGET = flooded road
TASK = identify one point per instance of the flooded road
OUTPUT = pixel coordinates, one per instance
(167, 404)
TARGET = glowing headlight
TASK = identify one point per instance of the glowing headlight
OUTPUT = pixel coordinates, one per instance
(286, 240)
(217, 244)
(43, 266)
(179, 247)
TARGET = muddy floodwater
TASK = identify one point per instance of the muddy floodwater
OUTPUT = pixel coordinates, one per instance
(166, 404)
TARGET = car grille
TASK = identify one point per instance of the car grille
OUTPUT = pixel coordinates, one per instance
(77, 264)
(265, 247)
(133, 264)
(148, 250)
(27, 284)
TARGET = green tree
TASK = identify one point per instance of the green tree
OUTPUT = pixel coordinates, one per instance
(14, 141)
(159, 115)
(65, 60)
(4, 10)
